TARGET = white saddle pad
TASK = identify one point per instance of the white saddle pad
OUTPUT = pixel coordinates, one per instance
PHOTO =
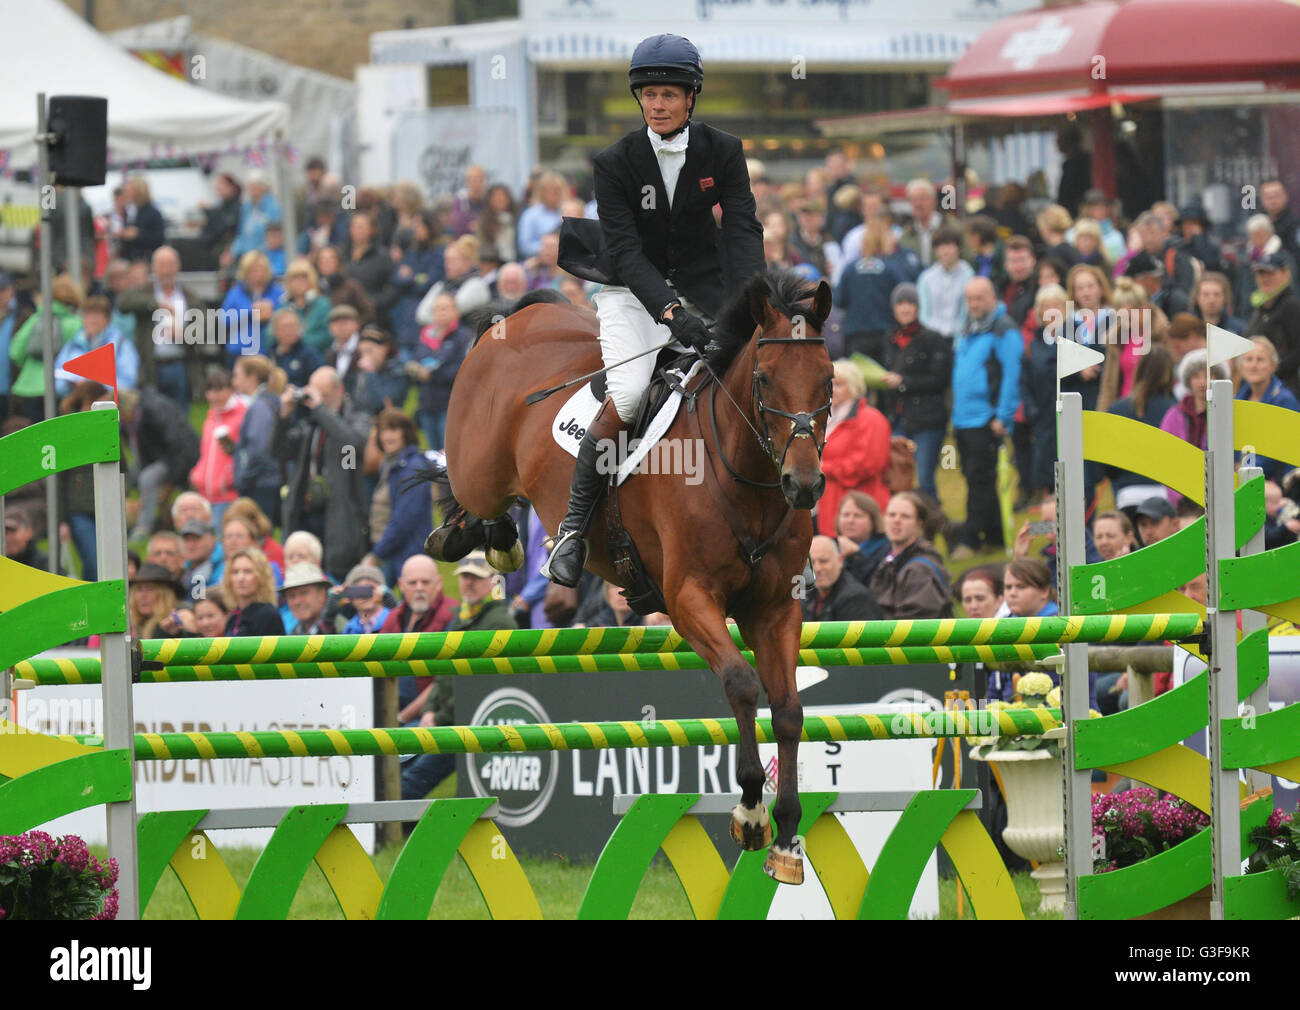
(572, 420)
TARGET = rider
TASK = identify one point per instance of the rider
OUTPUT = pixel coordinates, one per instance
(663, 253)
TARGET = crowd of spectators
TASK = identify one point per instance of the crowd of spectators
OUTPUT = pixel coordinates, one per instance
(290, 416)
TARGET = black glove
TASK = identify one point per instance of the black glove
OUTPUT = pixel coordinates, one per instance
(687, 329)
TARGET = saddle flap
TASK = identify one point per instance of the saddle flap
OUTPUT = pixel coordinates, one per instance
(655, 415)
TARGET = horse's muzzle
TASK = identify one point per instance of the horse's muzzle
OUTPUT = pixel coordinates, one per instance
(800, 495)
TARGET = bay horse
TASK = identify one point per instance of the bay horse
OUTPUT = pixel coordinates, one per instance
(761, 447)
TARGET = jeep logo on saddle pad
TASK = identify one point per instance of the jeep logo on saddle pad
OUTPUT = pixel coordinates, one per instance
(522, 782)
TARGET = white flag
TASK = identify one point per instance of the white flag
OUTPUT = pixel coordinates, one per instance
(1224, 345)
(1072, 357)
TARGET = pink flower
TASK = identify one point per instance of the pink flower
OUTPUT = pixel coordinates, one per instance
(110, 907)
(73, 853)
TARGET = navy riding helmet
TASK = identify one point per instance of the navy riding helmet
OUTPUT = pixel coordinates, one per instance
(667, 59)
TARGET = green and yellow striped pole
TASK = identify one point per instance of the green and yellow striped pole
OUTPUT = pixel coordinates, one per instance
(609, 641)
(85, 670)
(577, 735)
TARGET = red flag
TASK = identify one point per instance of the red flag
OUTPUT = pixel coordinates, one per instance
(98, 366)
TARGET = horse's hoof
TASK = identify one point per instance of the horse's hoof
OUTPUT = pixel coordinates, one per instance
(751, 829)
(452, 541)
(507, 561)
(436, 542)
(785, 866)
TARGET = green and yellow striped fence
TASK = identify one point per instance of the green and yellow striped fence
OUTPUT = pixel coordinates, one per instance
(576, 735)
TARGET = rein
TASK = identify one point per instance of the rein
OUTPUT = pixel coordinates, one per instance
(751, 551)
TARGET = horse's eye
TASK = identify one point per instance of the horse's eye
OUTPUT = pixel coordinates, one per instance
(762, 380)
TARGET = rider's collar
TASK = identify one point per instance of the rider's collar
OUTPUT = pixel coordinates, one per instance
(674, 146)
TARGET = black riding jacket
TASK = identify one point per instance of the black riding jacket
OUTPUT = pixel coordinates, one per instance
(647, 245)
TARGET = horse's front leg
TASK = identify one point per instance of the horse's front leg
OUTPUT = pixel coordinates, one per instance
(774, 637)
(699, 617)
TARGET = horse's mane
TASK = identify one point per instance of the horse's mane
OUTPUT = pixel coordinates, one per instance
(735, 324)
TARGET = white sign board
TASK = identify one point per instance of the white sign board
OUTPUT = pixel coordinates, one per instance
(383, 94)
(221, 784)
(434, 147)
(860, 766)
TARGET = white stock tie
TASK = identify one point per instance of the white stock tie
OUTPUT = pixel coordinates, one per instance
(671, 155)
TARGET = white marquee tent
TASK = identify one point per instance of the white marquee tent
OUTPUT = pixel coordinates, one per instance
(49, 48)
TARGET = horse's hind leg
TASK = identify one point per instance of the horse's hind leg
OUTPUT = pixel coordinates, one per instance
(775, 640)
(501, 538)
(460, 531)
(699, 617)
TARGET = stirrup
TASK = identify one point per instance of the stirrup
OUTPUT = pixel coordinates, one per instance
(565, 537)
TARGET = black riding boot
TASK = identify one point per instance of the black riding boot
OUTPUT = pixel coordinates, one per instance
(569, 556)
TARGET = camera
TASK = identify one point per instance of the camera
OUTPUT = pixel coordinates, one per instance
(299, 395)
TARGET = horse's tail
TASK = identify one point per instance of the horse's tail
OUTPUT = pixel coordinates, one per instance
(428, 472)
(482, 319)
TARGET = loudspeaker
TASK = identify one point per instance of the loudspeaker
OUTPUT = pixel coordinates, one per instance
(79, 151)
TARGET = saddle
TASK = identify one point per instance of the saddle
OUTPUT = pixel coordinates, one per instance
(662, 385)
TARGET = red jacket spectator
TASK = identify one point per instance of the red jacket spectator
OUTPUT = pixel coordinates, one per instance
(399, 622)
(213, 475)
(855, 458)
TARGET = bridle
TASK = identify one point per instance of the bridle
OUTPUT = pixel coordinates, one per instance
(802, 423)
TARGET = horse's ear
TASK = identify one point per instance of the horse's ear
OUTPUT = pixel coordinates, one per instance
(759, 293)
(821, 303)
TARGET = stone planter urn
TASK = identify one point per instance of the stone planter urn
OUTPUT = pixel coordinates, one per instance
(1035, 792)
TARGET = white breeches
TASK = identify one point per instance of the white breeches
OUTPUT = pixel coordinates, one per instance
(626, 328)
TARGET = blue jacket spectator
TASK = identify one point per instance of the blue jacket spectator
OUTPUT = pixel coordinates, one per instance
(864, 294)
(986, 371)
(905, 262)
(421, 268)
(248, 307)
(144, 227)
(439, 361)
(541, 217)
(381, 381)
(985, 395)
(95, 333)
(443, 364)
(259, 210)
(257, 471)
(401, 512)
(297, 359)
